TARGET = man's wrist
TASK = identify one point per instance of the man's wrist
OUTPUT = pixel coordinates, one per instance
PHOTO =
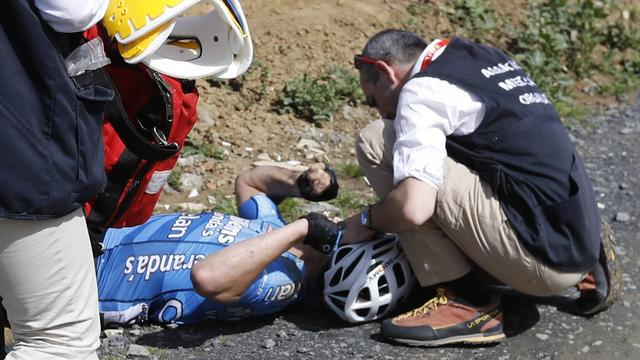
(366, 218)
(323, 234)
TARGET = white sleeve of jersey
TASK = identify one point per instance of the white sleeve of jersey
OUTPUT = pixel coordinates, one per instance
(429, 110)
(69, 16)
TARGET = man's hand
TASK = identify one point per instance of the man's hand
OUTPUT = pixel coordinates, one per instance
(318, 183)
(323, 234)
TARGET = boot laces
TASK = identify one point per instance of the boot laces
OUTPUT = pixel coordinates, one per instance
(431, 305)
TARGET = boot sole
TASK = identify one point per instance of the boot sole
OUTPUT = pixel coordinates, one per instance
(473, 339)
(612, 270)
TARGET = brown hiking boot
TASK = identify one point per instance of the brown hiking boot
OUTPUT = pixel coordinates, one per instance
(446, 319)
(603, 285)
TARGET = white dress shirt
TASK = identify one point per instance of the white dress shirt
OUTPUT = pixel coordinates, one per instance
(429, 110)
(69, 16)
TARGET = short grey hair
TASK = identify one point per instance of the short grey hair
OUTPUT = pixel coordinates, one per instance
(394, 46)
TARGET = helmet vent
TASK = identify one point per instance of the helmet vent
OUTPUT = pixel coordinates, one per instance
(397, 271)
(364, 295)
(379, 254)
(341, 254)
(373, 266)
(339, 303)
(384, 242)
(383, 286)
(353, 264)
(335, 279)
(382, 309)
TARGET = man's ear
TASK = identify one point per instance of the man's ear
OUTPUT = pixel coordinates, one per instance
(388, 71)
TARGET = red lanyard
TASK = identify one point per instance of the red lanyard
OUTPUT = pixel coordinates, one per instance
(429, 55)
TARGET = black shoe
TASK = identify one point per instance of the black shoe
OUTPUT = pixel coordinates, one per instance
(602, 286)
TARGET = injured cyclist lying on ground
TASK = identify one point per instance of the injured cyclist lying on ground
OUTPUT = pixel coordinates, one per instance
(183, 268)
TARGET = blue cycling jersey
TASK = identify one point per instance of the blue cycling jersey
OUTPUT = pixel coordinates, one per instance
(144, 273)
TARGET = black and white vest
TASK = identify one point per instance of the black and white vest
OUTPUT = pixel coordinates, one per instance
(522, 150)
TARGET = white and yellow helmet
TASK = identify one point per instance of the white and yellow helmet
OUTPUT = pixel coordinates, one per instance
(156, 33)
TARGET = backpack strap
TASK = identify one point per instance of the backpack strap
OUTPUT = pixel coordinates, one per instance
(134, 139)
(124, 181)
(156, 123)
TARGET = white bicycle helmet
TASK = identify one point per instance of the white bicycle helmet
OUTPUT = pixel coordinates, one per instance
(366, 281)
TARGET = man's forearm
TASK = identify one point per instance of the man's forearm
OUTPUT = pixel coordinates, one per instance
(317, 183)
(224, 275)
(406, 207)
(276, 182)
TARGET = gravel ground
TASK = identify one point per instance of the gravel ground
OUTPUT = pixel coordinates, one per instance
(537, 328)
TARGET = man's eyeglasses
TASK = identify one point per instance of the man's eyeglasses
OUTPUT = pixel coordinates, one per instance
(359, 59)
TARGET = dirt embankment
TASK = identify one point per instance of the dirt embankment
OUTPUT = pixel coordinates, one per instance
(291, 38)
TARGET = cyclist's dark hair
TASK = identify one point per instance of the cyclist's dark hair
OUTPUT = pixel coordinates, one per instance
(393, 46)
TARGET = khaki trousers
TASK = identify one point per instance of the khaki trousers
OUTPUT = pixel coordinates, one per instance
(468, 226)
(48, 286)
